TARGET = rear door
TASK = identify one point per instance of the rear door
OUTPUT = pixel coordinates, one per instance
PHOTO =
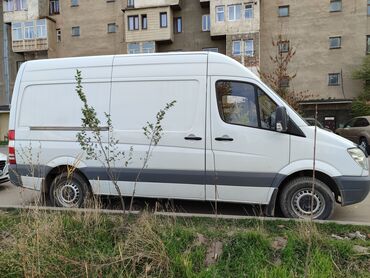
(248, 152)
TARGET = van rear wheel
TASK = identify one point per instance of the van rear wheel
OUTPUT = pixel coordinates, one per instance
(69, 191)
(296, 199)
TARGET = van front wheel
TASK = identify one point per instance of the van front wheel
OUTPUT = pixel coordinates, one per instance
(68, 191)
(296, 199)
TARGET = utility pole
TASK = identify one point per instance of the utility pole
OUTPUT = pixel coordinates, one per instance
(6, 62)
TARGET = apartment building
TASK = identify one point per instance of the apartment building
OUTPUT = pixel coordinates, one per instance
(331, 37)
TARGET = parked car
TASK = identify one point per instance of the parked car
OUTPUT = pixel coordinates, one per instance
(313, 122)
(358, 131)
(227, 128)
(4, 176)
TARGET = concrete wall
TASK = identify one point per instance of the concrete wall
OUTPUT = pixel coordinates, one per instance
(93, 18)
(154, 31)
(234, 27)
(308, 28)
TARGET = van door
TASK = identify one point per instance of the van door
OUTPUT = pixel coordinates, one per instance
(175, 167)
(248, 152)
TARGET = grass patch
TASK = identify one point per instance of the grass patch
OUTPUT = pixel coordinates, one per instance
(56, 244)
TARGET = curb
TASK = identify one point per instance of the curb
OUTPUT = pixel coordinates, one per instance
(180, 214)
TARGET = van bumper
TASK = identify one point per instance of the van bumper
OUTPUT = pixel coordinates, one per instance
(14, 177)
(353, 189)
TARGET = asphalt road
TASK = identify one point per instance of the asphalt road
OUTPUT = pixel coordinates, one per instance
(11, 195)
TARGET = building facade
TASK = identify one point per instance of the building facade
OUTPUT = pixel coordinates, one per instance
(330, 37)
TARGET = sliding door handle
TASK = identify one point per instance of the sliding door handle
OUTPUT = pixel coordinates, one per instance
(224, 138)
(192, 137)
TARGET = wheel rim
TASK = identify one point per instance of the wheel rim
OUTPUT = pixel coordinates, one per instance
(301, 203)
(68, 194)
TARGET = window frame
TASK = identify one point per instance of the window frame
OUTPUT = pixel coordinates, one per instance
(29, 29)
(59, 35)
(333, 38)
(76, 34)
(19, 30)
(176, 24)
(367, 44)
(283, 49)
(210, 49)
(333, 2)
(130, 3)
(280, 8)
(368, 7)
(207, 27)
(75, 3)
(144, 22)
(219, 12)
(257, 104)
(233, 47)
(251, 10)
(110, 25)
(54, 7)
(161, 20)
(333, 74)
(235, 14)
(245, 48)
(135, 21)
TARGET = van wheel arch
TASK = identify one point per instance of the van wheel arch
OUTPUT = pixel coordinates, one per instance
(308, 173)
(53, 173)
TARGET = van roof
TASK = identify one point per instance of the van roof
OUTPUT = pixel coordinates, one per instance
(218, 64)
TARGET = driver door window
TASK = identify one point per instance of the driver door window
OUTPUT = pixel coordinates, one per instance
(245, 104)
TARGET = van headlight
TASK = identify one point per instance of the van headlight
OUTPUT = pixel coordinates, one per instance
(359, 156)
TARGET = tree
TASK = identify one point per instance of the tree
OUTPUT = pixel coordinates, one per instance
(280, 77)
(361, 105)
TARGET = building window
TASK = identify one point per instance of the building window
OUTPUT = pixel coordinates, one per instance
(133, 48)
(220, 13)
(283, 46)
(74, 3)
(236, 48)
(144, 47)
(210, 49)
(368, 44)
(15, 5)
(335, 42)
(249, 48)
(335, 5)
(59, 35)
(29, 30)
(133, 22)
(148, 47)
(17, 34)
(54, 7)
(112, 28)
(368, 7)
(284, 82)
(283, 11)
(334, 79)
(234, 12)
(177, 24)
(163, 20)
(144, 22)
(206, 23)
(41, 28)
(248, 12)
(130, 3)
(76, 31)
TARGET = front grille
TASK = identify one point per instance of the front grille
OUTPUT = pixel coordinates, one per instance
(2, 165)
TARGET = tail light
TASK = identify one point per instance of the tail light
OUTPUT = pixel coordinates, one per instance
(11, 147)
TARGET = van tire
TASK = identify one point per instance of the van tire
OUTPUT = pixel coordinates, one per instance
(295, 201)
(69, 191)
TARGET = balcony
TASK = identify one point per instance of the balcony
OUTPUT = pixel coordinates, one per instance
(142, 4)
(34, 35)
(22, 10)
(149, 24)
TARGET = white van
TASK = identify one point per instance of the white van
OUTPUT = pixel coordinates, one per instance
(227, 128)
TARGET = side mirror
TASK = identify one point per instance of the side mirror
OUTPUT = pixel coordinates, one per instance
(281, 119)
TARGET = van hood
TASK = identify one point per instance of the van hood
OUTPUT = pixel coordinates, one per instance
(326, 137)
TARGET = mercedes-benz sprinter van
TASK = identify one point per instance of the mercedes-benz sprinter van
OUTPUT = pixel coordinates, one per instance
(228, 137)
